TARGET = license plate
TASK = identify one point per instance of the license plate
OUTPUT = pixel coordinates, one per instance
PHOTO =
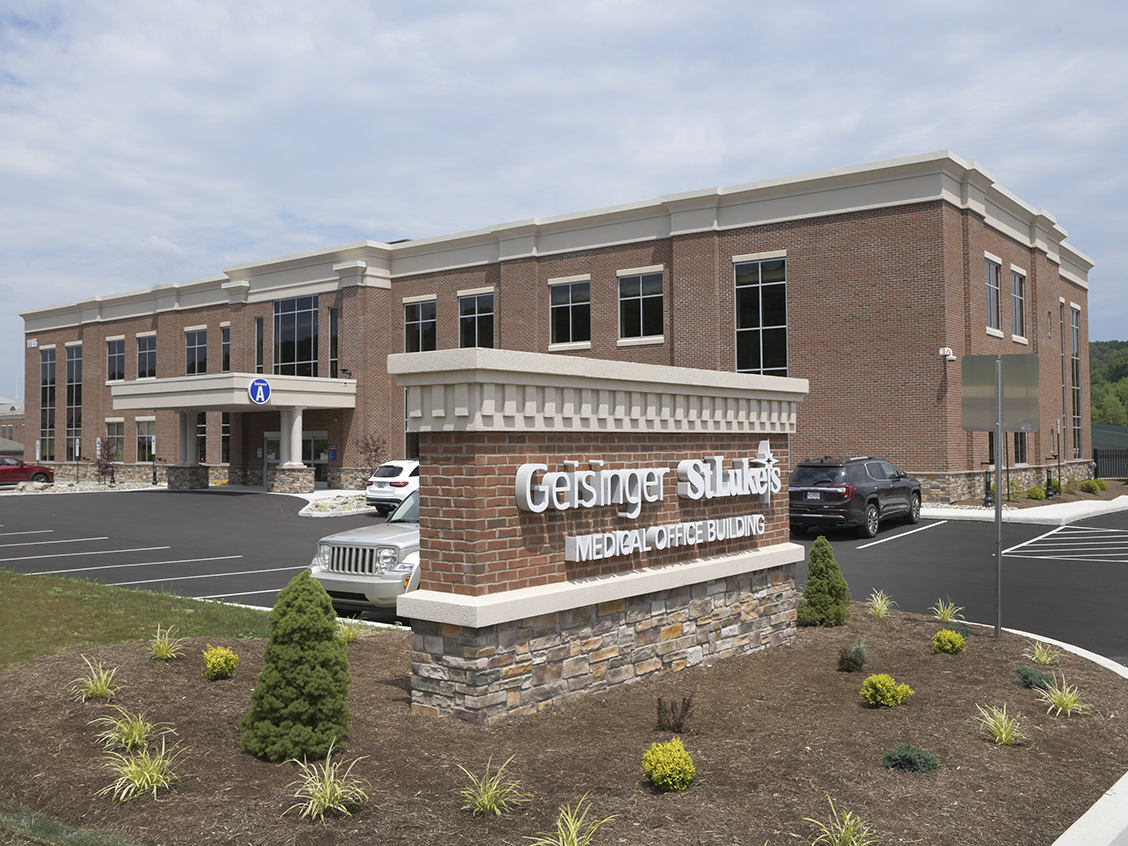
(814, 495)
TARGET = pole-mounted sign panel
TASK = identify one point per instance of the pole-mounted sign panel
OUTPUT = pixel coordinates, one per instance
(1019, 393)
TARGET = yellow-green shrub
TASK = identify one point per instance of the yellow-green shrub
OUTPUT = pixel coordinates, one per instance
(219, 663)
(948, 641)
(668, 766)
(880, 689)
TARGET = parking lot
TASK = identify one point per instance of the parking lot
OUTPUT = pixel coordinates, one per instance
(238, 546)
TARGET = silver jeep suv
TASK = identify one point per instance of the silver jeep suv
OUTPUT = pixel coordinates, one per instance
(370, 567)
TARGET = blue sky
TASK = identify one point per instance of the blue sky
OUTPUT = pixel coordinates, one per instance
(145, 143)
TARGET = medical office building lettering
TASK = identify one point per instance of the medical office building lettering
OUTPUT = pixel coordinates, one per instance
(706, 478)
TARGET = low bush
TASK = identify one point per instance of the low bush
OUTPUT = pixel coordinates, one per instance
(1035, 492)
(851, 659)
(1032, 678)
(219, 663)
(1090, 486)
(881, 690)
(948, 642)
(673, 717)
(957, 627)
(909, 759)
(668, 766)
(1102, 484)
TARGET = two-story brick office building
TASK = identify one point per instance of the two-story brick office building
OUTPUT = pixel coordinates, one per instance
(855, 279)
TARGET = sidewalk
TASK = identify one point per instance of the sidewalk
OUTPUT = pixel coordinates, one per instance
(1058, 514)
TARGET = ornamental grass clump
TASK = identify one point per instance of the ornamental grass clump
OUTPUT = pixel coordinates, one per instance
(219, 663)
(999, 727)
(298, 708)
(572, 827)
(165, 647)
(946, 611)
(847, 830)
(125, 731)
(826, 596)
(668, 766)
(880, 690)
(144, 771)
(1062, 698)
(326, 788)
(489, 793)
(1041, 653)
(948, 642)
(98, 683)
(879, 604)
(351, 630)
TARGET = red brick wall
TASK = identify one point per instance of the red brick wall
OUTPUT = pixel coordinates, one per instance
(474, 539)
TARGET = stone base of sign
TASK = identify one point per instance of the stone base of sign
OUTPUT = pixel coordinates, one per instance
(187, 477)
(291, 480)
(485, 673)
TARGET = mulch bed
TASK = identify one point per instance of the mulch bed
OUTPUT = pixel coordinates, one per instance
(773, 736)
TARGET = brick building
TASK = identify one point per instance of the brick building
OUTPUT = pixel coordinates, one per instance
(871, 282)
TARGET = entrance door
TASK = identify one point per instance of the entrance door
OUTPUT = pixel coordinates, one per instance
(315, 453)
(271, 453)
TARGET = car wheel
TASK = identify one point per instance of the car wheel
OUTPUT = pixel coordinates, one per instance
(39, 477)
(914, 509)
(868, 529)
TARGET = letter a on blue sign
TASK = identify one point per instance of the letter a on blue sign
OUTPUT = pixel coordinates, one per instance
(259, 391)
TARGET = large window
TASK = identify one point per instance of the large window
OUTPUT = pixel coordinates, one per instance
(295, 337)
(115, 360)
(196, 352)
(146, 436)
(991, 270)
(1018, 304)
(476, 321)
(570, 312)
(74, 402)
(334, 329)
(114, 446)
(47, 404)
(761, 317)
(640, 306)
(1075, 375)
(1021, 442)
(258, 345)
(146, 356)
(419, 321)
(202, 437)
(225, 349)
(225, 437)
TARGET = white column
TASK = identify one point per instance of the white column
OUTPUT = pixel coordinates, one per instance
(182, 434)
(191, 448)
(293, 433)
(284, 415)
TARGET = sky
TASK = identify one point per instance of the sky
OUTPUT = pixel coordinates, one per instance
(146, 143)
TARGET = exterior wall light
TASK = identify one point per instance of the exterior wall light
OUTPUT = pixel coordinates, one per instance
(947, 353)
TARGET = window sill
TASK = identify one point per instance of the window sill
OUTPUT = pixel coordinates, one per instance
(641, 342)
(995, 333)
(576, 345)
(1018, 339)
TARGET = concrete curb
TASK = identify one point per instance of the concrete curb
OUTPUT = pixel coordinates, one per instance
(1045, 515)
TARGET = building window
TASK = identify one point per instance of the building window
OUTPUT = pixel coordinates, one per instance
(1075, 376)
(419, 326)
(295, 337)
(225, 437)
(570, 313)
(146, 441)
(46, 405)
(1020, 448)
(476, 321)
(992, 270)
(147, 357)
(640, 306)
(74, 403)
(115, 360)
(761, 317)
(1018, 304)
(114, 447)
(202, 437)
(333, 347)
(196, 352)
(258, 344)
(225, 349)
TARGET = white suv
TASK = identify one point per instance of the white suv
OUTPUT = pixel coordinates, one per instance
(391, 483)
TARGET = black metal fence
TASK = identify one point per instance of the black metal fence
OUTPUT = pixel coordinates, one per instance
(1111, 463)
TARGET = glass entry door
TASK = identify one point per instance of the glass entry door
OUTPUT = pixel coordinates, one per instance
(315, 452)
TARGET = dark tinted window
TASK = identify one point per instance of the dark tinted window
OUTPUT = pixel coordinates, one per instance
(812, 476)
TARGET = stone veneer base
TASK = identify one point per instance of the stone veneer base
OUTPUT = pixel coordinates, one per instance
(483, 674)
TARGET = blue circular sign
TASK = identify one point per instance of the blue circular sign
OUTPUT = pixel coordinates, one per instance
(259, 391)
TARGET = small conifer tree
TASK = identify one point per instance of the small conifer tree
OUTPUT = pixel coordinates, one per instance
(298, 708)
(826, 596)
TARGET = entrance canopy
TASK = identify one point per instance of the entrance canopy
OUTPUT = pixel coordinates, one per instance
(238, 392)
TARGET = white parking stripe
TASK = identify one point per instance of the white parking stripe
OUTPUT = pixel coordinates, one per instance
(72, 554)
(902, 535)
(45, 543)
(207, 576)
(1075, 543)
(244, 593)
(35, 532)
(139, 564)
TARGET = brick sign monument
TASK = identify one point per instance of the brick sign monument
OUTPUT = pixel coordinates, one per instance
(587, 523)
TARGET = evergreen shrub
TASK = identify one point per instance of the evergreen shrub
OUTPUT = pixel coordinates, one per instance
(1035, 492)
(826, 596)
(668, 766)
(298, 707)
(957, 627)
(851, 659)
(910, 759)
(1090, 486)
(949, 642)
(880, 689)
(1032, 678)
(219, 663)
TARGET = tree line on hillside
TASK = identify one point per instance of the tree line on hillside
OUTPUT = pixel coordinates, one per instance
(1108, 386)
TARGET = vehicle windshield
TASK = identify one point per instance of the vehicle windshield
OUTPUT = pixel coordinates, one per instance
(408, 510)
(816, 476)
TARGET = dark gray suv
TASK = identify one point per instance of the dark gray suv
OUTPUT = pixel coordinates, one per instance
(852, 492)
